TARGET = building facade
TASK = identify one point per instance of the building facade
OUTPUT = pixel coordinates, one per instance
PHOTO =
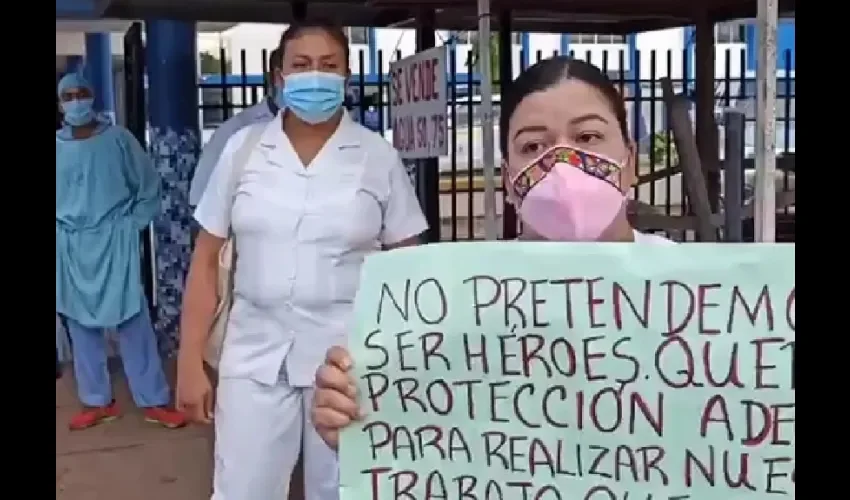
(373, 49)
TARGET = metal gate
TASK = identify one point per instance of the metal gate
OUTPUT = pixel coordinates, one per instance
(135, 116)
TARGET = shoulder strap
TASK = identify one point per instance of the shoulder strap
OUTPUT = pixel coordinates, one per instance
(243, 154)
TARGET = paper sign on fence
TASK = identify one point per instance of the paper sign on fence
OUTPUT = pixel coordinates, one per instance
(418, 104)
(544, 371)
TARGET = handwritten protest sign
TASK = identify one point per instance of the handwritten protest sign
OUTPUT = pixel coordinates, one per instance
(544, 371)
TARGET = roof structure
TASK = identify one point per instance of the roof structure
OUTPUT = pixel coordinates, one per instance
(574, 16)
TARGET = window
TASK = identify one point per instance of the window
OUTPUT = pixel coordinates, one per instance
(593, 38)
(357, 35)
(730, 32)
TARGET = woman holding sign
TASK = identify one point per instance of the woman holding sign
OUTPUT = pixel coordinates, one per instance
(568, 165)
(307, 197)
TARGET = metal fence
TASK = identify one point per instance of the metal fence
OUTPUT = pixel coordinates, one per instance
(461, 182)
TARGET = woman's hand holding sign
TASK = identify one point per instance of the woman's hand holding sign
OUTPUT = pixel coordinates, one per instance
(335, 402)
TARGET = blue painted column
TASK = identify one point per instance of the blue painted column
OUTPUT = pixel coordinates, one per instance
(633, 77)
(565, 44)
(690, 34)
(98, 70)
(171, 54)
(785, 42)
(525, 54)
(373, 53)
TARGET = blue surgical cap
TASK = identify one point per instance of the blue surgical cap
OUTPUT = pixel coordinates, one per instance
(74, 80)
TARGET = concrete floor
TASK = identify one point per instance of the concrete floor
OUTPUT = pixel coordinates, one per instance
(129, 459)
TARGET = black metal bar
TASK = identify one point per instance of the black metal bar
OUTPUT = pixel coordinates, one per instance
(428, 170)
(244, 78)
(226, 107)
(733, 176)
(651, 132)
(506, 76)
(361, 88)
(727, 80)
(787, 112)
(637, 114)
(470, 147)
(453, 132)
(379, 103)
(683, 184)
(136, 122)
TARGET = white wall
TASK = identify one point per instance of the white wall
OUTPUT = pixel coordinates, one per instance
(667, 43)
(69, 43)
(253, 38)
(672, 41)
(546, 44)
(390, 41)
(594, 53)
(734, 52)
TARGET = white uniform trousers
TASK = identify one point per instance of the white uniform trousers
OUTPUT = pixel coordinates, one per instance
(259, 430)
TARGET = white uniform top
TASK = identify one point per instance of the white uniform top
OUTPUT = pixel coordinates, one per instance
(301, 237)
(652, 239)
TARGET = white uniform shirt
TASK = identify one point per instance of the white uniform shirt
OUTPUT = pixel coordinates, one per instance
(652, 239)
(301, 237)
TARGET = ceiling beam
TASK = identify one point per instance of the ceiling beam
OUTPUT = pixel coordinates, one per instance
(543, 15)
(393, 18)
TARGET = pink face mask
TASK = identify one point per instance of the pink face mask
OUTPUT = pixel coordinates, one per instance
(567, 194)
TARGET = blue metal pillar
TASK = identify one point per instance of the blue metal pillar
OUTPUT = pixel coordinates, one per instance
(98, 70)
(639, 132)
(565, 44)
(373, 53)
(174, 144)
(525, 54)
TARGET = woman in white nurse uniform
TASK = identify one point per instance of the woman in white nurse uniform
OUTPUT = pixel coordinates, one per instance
(316, 195)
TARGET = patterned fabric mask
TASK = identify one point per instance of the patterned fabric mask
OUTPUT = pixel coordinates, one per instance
(568, 194)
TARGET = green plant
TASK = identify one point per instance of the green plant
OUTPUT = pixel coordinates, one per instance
(662, 146)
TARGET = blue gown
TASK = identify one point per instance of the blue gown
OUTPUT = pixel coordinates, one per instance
(107, 191)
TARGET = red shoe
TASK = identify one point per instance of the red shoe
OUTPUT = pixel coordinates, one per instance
(170, 419)
(89, 417)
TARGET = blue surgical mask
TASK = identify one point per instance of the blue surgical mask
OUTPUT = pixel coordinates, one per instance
(78, 112)
(313, 96)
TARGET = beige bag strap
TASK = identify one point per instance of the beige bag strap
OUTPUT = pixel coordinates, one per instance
(240, 162)
(243, 155)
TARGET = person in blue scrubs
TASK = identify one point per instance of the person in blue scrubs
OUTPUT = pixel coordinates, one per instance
(107, 191)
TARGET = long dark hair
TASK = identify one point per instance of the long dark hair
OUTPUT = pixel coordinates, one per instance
(548, 73)
(332, 29)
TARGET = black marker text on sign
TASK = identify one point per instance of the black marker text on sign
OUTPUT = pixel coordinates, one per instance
(416, 82)
(642, 358)
(412, 133)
